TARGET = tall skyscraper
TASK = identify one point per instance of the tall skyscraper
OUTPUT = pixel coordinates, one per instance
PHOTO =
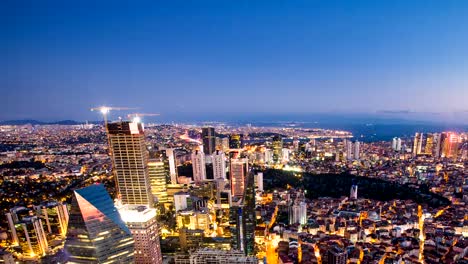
(96, 232)
(142, 223)
(277, 146)
(357, 150)
(394, 143)
(219, 165)
(450, 145)
(198, 166)
(353, 192)
(171, 158)
(130, 160)
(157, 175)
(349, 150)
(238, 172)
(438, 138)
(398, 145)
(417, 144)
(429, 147)
(209, 140)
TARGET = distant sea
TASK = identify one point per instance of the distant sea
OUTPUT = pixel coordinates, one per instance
(368, 132)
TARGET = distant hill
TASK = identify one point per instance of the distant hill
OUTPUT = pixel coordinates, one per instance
(35, 122)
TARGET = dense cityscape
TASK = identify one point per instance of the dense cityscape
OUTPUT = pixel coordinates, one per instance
(129, 192)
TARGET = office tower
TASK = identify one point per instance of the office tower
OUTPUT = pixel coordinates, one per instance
(337, 255)
(398, 144)
(353, 192)
(238, 173)
(235, 141)
(219, 165)
(217, 256)
(450, 145)
(242, 219)
(54, 216)
(268, 156)
(208, 136)
(357, 151)
(259, 181)
(142, 223)
(28, 233)
(298, 213)
(157, 175)
(277, 147)
(429, 147)
(96, 232)
(438, 138)
(349, 150)
(285, 154)
(130, 161)
(198, 166)
(171, 158)
(417, 144)
(394, 143)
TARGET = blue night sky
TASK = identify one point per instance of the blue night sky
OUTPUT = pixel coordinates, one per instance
(214, 59)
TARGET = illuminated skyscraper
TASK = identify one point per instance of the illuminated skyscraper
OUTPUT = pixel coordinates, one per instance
(450, 145)
(357, 150)
(157, 175)
(298, 213)
(438, 138)
(198, 166)
(349, 150)
(429, 147)
(142, 223)
(209, 140)
(96, 232)
(417, 144)
(238, 173)
(219, 165)
(170, 156)
(130, 160)
(353, 192)
(277, 146)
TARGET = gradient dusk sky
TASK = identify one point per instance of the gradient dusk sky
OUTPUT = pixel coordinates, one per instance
(59, 58)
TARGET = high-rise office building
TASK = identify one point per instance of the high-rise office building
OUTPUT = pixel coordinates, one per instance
(417, 143)
(157, 175)
(242, 219)
(142, 223)
(357, 150)
(429, 146)
(130, 161)
(96, 232)
(171, 159)
(219, 165)
(349, 150)
(277, 146)
(437, 150)
(198, 166)
(450, 145)
(209, 140)
(238, 172)
(398, 145)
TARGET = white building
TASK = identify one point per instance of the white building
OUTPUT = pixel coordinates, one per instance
(172, 164)
(259, 181)
(198, 166)
(298, 213)
(349, 150)
(357, 150)
(180, 201)
(219, 165)
(142, 223)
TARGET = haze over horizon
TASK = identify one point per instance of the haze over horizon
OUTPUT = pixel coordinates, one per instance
(219, 59)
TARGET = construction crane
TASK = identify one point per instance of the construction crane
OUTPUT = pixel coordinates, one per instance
(106, 109)
(137, 116)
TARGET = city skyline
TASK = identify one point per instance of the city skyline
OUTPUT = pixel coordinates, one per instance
(395, 59)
